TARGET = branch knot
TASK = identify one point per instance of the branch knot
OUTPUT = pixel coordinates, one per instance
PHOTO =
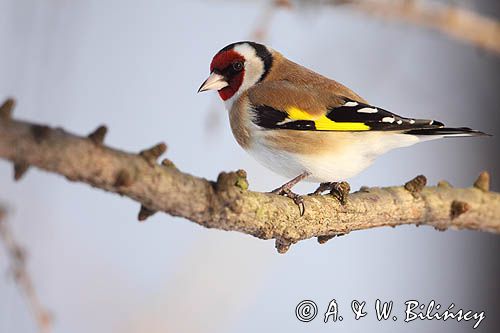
(416, 185)
(483, 181)
(97, 136)
(40, 132)
(6, 109)
(152, 154)
(227, 181)
(458, 208)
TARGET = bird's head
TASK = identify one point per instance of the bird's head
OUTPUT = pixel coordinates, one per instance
(238, 67)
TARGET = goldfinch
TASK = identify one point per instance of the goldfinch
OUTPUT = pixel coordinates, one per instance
(303, 125)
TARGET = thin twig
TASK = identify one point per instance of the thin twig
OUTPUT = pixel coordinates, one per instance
(17, 256)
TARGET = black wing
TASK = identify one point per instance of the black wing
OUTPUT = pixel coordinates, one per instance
(350, 116)
(377, 118)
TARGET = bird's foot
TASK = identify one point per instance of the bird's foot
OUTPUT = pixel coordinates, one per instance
(339, 190)
(287, 192)
(322, 188)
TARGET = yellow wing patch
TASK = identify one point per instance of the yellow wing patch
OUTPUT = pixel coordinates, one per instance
(323, 123)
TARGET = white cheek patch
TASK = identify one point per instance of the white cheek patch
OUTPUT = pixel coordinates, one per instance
(254, 66)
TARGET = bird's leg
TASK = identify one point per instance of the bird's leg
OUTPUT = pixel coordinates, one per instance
(286, 190)
(283, 189)
(339, 190)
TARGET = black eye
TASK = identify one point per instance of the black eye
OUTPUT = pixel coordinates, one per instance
(237, 66)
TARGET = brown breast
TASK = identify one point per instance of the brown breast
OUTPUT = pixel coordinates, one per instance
(239, 119)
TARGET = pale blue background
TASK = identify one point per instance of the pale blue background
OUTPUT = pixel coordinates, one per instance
(136, 66)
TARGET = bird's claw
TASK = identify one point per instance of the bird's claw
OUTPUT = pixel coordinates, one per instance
(297, 199)
(322, 188)
(339, 190)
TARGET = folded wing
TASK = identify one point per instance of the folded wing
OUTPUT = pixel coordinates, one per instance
(349, 116)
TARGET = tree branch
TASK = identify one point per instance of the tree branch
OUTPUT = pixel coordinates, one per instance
(227, 204)
(451, 20)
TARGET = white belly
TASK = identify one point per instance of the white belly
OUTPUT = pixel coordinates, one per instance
(350, 154)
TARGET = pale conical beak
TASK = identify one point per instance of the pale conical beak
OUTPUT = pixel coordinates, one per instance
(214, 82)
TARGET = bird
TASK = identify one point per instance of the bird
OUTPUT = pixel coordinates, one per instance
(305, 126)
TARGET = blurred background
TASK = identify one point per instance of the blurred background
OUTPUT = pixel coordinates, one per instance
(135, 66)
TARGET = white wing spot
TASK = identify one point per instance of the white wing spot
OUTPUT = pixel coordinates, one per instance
(351, 104)
(287, 120)
(431, 122)
(368, 110)
(412, 121)
(388, 120)
(399, 122)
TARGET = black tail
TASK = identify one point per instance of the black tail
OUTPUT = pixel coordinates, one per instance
(447, 132)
